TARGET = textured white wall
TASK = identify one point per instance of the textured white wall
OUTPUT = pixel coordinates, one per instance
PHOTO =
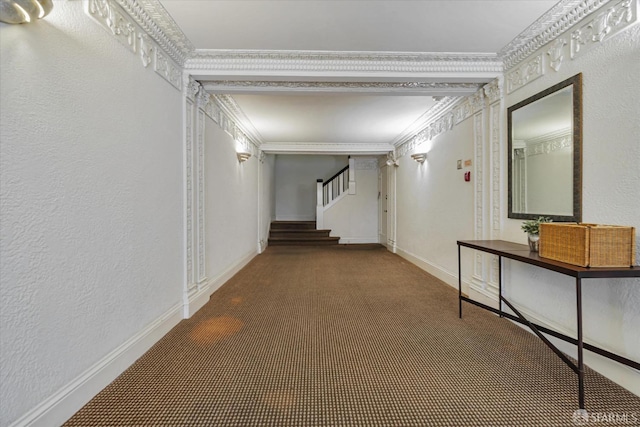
(91, 190)
(231, 202)
(354, 218)
(435, 204)
(296, 177)
(267, 209)
(611, 195)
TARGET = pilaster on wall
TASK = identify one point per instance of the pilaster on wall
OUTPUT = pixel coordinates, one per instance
(391, 207)
(489, 197)
(190, 286)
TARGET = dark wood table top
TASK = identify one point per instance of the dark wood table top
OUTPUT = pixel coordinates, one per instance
(522, 253)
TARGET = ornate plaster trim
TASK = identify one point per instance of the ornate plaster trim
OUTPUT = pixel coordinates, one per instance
(448, 113)
(152, 17)
(326, 148)
(603, 26)
(428, 88)
(188, 201)
(525, 73)
(370, 163)
(494, 90)
(549, 143)
(231, 108)
(478, 126)
(128, 31)
(549, 26)
(249, 60)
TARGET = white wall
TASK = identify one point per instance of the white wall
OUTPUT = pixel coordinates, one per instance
(435, 204)
(267, 208)
(611, 195)
(354, 217)
(231, 205)
(295, 177)
(91, 190)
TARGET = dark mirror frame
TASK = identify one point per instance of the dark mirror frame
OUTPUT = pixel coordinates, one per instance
(576, 81)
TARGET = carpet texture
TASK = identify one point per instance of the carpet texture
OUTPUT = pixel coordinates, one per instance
(347, 336)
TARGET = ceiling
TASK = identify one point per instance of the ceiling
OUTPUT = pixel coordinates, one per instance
(355, 109)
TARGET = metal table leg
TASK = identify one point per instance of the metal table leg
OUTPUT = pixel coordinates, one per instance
(459, 285)
(580, 343)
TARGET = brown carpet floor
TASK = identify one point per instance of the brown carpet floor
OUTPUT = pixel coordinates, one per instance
(347, 336)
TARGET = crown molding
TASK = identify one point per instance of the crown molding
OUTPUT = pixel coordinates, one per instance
(152, 17)
(560, 18)
(335, 62)
(337, 148)
(443, 105)
(235, 113)
(401, 88)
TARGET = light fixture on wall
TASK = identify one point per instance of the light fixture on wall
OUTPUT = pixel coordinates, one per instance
(24, 11)
(419, 157)
(243, 156)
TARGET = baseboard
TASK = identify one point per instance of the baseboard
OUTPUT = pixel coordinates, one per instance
(358, 240)
(623, 375)
(200, 298)
(68, 400)
(484, 296)
(433, 269)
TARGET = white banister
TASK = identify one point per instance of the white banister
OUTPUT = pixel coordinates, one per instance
(327, 192)
(319, 205)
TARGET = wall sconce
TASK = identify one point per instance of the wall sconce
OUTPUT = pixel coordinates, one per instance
(419, 157)
(243, 156)
(23, 11)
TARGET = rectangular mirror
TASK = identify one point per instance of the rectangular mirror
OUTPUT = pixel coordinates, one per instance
(545, 154)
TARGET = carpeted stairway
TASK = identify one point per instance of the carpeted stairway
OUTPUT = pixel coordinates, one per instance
(299, 233)
(347, 335)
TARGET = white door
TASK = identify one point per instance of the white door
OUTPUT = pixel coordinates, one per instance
(383, 197)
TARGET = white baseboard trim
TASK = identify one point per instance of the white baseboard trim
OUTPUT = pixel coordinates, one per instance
(200, 298)
(357, 240)
(623, 375)
(59, 407)
(433, 269)
(485, 296)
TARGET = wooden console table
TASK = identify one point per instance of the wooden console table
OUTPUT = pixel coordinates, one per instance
(518, 252)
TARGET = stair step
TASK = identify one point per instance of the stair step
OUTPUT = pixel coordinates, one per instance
(299, 233)
(293, 225)
(306, 241)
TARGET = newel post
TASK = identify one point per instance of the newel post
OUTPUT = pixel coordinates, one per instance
(319, 205)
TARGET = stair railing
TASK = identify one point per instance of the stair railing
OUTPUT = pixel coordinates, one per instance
(330, 190)
(335, 186)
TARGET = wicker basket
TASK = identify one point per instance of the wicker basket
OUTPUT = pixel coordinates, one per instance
(588, 245)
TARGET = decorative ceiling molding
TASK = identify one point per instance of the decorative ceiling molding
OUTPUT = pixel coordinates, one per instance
(235, 113)
(326, 148)
(553, 23)
(443, 105)
(152, 17)
(413, 88)
(323, 61)
(121, 24)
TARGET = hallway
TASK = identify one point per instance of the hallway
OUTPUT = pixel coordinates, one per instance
(345, 336)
